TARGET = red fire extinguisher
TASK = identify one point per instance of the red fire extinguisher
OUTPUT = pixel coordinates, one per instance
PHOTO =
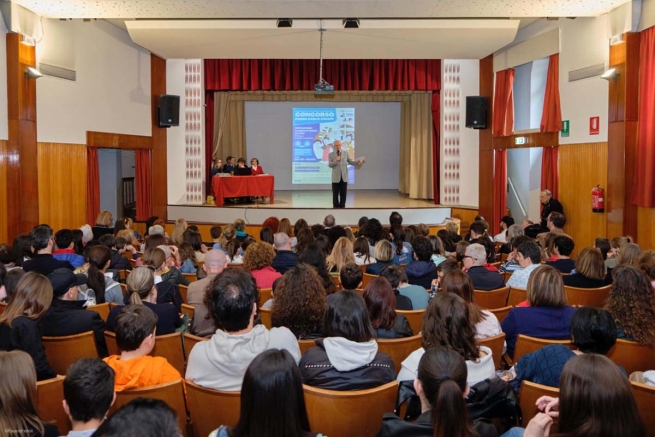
(598, 199)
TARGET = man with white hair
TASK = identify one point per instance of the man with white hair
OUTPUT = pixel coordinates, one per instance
(482, 279)
(329, 221)
(548, 205)
(215, 263)
(285, 257)
(157, 230)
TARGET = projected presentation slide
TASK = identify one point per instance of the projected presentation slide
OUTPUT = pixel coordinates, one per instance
(314, 133)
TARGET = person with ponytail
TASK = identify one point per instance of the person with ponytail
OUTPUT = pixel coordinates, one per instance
(441, 385)
(141, 290)
(105, 288)
(167, 292)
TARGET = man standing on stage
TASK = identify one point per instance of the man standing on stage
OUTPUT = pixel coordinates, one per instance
(339, 168)
(548, 205)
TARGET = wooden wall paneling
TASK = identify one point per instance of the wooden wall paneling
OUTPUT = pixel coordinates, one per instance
(467, 216)
(107, 140)
(62, 184)
(616, 183)
(486, 188)
(532, 139)
(159, 148)
(646, 231)
(4, 236)
(630, 212)
(582, 167)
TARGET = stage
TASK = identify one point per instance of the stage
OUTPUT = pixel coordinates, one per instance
(314, 205)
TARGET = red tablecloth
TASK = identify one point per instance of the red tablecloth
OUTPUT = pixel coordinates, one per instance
(243, 186)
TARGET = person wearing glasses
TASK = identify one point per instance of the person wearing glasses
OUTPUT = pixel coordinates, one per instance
(473, 262)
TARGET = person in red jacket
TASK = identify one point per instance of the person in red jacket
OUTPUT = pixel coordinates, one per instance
(255, 168)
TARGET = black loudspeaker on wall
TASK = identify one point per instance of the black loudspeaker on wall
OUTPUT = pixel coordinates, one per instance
(476, 112)
(169, 110)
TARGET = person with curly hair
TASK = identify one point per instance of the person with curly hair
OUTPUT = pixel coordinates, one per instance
(632, 304)
(257, 260)
(342, 254)
(373, 232)
(447, 323)
(300, 302)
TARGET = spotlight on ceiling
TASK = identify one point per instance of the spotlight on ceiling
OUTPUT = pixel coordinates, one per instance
(351, 23)
(284, 22)
(610, 74)
(33, 73)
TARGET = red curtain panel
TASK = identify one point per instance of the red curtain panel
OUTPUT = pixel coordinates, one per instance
(500, 188)
(143, 181)
(503, 119)
(643, 187)
(551, 117)
(92, 185)
(302, 75)
(549, 170)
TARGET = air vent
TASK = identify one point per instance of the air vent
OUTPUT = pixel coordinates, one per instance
(54, 71)
(585, 73)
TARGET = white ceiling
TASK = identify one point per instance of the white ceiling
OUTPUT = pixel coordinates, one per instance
(207, 9)
(375, 39)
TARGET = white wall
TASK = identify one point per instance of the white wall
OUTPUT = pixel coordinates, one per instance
(175, 135)
(112, 90)
(4, 115)
(109, 170)
(583, 42)
(524, 171)
(647, 14)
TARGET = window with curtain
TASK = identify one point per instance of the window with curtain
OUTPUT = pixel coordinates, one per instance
(529, 91)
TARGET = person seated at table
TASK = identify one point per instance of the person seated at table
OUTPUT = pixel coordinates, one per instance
(217, 167)
(241, 169)
(255, 168)
(229, 165)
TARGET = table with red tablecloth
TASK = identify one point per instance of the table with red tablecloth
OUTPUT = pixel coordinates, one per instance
(243, 186)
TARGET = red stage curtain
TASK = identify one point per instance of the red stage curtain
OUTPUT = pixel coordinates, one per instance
(551, 117)
(92, 185)
(549, 171)
(143, 182)
(500, 188)
(643, 187)
(302, 75)
(503, 119)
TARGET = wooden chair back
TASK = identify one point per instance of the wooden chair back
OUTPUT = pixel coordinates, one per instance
(399, 348)
(526, 344)
(503, 257)
(507, 276)
(123, 288)
(491, 299)
(530, 392)
(588, 297)
(496, 264)
(645, 397)
(209, 408)
(127, 255)
(122, 274)
(336, 280)
(632, 356)
(501, 313)
(3, 307)
(170, 346)
(112, 347)
(189, 310)
(516, 296)
(64, 351)
(190, 341)
(496, 344)
(366, 279)
(349, 413)
(132, 263)
(184, 291)
(235, 266)
(102, 309)
(267, 317)
(305, 345)
(171, 392)
(264, 295)
(49, 394)
(191, 277)
(415, 319)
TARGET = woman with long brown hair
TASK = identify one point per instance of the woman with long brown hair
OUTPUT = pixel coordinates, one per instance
(177, 237)
(589, 270)
(19, 329)
(18, 397)
(447, 323)
(381, 303)
(632, 304)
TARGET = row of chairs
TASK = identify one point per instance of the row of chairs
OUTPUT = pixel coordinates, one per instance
(499, 298)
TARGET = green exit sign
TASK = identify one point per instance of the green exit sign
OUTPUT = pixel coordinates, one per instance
(565, 128)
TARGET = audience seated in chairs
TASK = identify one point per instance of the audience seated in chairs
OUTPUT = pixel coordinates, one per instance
(403, 290)
(19, 323)
(272, 400)
(422, 270)
(548, 315)
(593, 331)
(67, 315)
(589, 270)
(257, 260)
(486, 324)
(632, 303)
(441, 384)
(447, 323)
(66, 248)
(348, 358)
(141, 290)
(18, 397)
(350, 277)
(215, 263)
(529, 258)
(136, 328)
(314, 257)
(482, 279)
(88, 394)
(381, 303)
(594, 397)
(221, 362)
(285, 258)
(143, 417)
(105, 288)
(43, 244)
(562, 247)
(300, 302)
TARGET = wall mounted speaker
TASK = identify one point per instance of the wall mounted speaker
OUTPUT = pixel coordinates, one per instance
(169, 110)
(476, 112)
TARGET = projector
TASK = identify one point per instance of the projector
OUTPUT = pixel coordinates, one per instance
(323, 88)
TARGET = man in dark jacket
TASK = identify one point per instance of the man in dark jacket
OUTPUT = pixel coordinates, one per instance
(285, 257)
(43, 244)
(548, 205)
(65, 248)
(66, 315)
(422, 270)
(118, 262)
(482, 279)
